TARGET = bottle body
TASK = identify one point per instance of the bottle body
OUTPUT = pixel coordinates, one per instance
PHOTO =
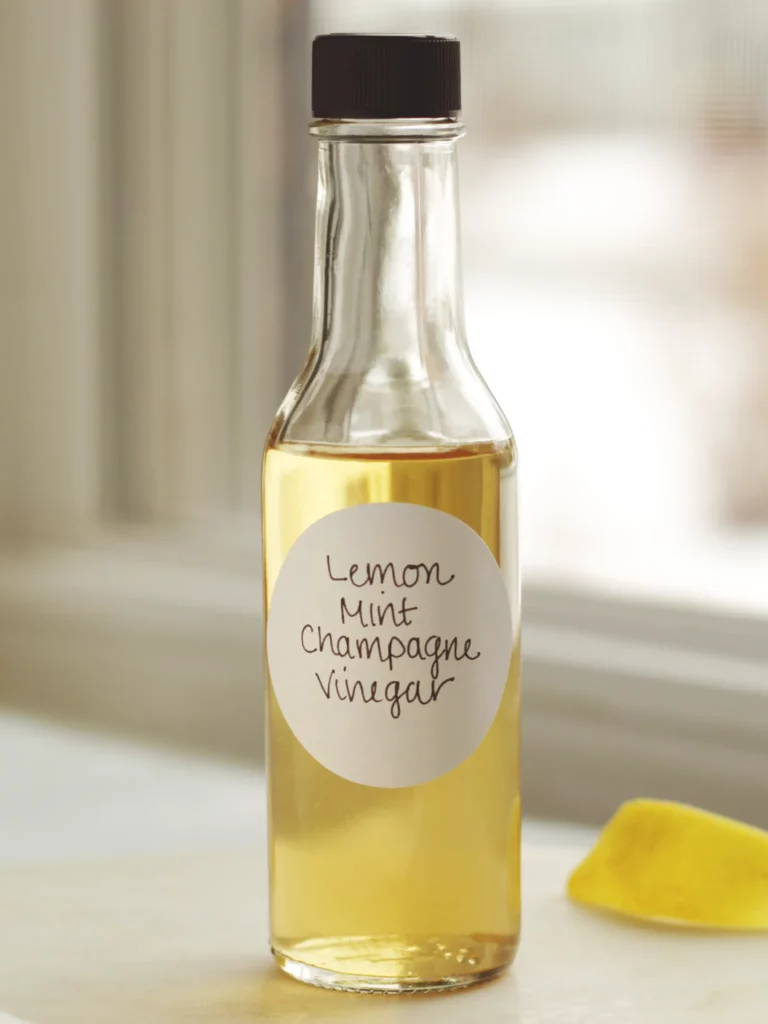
(407, 888)
(413, 887)
(395, 850)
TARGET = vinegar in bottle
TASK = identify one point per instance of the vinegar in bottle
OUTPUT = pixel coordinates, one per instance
(390, 565)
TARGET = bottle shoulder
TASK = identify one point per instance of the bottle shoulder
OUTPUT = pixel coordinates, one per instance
(390, 406)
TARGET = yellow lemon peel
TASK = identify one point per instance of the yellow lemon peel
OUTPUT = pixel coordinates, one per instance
(672, 863)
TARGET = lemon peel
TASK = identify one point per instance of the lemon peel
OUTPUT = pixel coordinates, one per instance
(668, 862)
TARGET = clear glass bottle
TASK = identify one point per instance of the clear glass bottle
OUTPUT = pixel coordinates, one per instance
(394, 832)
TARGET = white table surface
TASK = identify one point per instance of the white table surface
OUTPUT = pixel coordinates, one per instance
(132, 889)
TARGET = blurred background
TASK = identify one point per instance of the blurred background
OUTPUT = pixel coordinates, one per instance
(156, 201)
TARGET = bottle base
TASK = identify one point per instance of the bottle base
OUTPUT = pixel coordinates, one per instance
(410, 969)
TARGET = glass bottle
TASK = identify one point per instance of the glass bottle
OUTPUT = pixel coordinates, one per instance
(390, 565)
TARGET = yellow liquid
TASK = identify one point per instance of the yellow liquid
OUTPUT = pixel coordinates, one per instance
(393, 889)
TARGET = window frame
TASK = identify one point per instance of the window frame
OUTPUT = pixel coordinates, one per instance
(621, 697)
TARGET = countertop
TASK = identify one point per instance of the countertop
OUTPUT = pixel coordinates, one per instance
(132, 889)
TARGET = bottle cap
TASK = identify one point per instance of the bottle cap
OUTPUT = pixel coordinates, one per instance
(360, 76)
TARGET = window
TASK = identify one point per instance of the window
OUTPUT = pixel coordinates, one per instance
(156, 255)
(615, 245)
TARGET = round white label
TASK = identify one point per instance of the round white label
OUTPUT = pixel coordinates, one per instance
(389, 639)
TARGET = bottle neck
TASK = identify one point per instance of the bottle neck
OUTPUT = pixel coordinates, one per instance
(388, 296)
(389, 365)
